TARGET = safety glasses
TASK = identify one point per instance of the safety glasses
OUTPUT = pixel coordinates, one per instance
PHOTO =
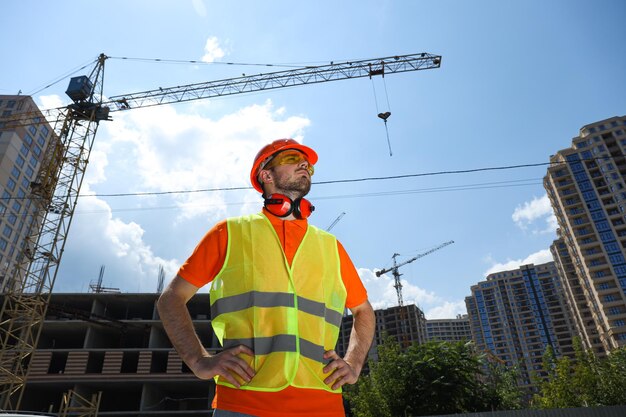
(289, 158)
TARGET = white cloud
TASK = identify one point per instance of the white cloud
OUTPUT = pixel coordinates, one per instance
(382, 294)
(447, 310)
(169, 151)
(97, 238)
(212, 50)
(540, 257)
(52, 101)
(199, 7)
(528, 213)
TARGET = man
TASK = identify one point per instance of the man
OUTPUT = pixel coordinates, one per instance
(278, 290)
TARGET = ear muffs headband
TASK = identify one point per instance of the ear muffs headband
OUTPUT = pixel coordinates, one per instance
(282, 206)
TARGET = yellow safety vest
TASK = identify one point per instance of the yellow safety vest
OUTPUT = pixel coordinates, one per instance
(289, 316)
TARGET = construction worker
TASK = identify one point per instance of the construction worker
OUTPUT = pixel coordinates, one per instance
(279, 287)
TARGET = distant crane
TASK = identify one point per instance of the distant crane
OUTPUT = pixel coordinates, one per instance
(343, 213)
(396, 275)
(398, 286)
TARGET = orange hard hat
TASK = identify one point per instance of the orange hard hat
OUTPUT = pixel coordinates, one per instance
(264, 156)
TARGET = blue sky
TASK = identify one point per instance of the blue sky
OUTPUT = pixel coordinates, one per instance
(518, 79)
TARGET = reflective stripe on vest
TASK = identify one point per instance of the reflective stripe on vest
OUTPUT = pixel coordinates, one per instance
(261, 299)
(289, 316)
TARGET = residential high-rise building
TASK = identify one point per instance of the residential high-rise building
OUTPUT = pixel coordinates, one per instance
(22, 150)
(451, 330)
(515, 315)
(575, 296)
(587, 189)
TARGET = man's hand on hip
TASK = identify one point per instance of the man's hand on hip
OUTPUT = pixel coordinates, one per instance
(341, 372)
(226, 364)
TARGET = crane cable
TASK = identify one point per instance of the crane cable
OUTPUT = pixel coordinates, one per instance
(383, 115)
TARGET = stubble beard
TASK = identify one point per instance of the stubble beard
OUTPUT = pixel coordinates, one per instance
(294, 188)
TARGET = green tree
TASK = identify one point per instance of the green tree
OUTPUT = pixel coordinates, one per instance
(587, 381)
(428, 379)
(503, 390)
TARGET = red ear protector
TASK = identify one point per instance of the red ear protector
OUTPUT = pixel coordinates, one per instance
(282, 206)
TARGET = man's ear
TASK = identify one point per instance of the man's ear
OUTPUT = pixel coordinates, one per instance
(266, 176)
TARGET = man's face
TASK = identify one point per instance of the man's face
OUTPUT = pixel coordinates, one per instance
(291, 173)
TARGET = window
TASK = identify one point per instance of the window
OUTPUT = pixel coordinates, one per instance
(33, 161)
(11, 184)
(44, 130)
(28, 139)
(3, 244)
(29, 172)
(10, 104)
(12, 218)
(16, 206)
(610, 298)
(32, 129)
(20, 193)
(15, 172)
(7, 231)
(19, 161)
(602, 225)
(37, 150)
(41, 141)
(25, 183)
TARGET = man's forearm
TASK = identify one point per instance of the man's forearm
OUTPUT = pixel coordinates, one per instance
(179, 328)
(361, 336)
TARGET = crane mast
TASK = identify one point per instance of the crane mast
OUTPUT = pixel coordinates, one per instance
(55, 192)
(60, 178)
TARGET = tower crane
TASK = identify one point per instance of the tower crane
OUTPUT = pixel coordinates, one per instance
(396, 275)
(60, 177)
(398, 286)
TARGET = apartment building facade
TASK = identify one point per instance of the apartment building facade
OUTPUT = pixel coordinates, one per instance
(450, 330)
(580, 311)
(22, 150)
(587, 189)
(515, 315)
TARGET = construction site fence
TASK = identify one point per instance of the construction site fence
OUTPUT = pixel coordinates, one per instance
(612, 411)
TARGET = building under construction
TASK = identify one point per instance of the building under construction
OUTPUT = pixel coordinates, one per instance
(407, 324)
(115, 344)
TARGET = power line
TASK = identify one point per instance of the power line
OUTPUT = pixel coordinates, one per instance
(466, 187)
(392, 177)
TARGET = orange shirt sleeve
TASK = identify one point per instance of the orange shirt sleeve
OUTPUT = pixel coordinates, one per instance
(207, 258)
(357, 294)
